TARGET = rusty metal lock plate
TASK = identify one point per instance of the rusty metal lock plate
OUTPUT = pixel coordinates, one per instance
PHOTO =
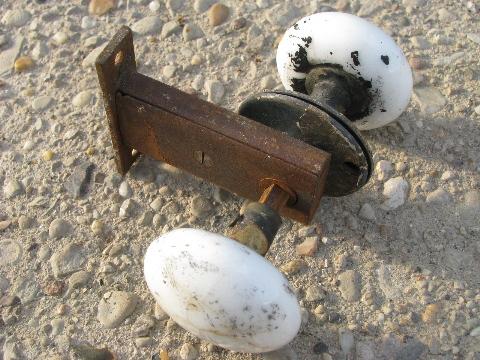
(222, 147)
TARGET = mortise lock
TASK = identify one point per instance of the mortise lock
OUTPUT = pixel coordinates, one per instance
(232, 151)
(283, 149)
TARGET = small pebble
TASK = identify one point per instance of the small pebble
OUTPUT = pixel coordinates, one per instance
(82, 99)
(16, 17)
(218, 14)
(447, 175)
(59, 228)
(168, 71)
(89, 60)
(146, 218)
(439, 196)
(25, 222)
(192, 32)
(124, 190)
(383, 169)
(12, 188)
(47, 155)
(42, 103)
(147, 25)
(97, 227)
(188, 352)
(57, 326)
(308, 247)
(4, 224)
(350, 285)
(346, 340)
(314, 293)
(196, 60)
(157, 204)
(198, 82)
(100, 7)
(23, 63)
(475, 332)
(430, 313)
(164, 355)
(9, 300)
(215, 91)
(39, 50)
(115, 307)
(78, 279)
(367, 212)
(10, 252)
(239, 23)
(154, 6)
(143, 325)
(293, 266)
(174, 5)
(396, 192)
(77, 184)
(60, 38)
(67, 260)
(127, 208)
(88, 23)
(430, 99)
(170, 28)
(200, 206)
(158, 220)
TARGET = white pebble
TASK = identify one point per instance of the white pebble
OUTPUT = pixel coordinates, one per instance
(41, 103)
(383, 169)
(154, 6)
(147, 25)
(60, 38)
(396, 192)
(88, 22)
(125, 190)
(82, 98)
(215, 90)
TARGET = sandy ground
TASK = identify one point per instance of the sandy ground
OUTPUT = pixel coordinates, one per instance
(416, 267)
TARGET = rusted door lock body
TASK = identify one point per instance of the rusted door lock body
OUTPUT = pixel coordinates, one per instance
(283, 149)
(244, 154)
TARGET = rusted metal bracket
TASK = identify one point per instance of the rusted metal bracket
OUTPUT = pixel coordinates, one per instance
(222, 147)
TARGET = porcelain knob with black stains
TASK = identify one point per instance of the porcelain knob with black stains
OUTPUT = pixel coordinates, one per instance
(221, 291)
(359, 48)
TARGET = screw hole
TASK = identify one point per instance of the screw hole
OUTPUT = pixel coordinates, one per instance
(118, 58)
